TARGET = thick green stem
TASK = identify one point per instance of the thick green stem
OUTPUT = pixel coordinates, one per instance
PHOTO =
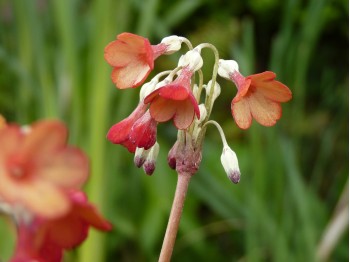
(183, 181)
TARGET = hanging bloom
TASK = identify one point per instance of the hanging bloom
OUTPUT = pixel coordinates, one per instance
(174, 101)
(258, 96)
(137, 130)
(37, 167)
(45, 239)
(132, 57)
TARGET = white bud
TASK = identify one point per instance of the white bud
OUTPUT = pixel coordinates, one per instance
(173, 44)
(230, 163)
(140, 156)
(192, 59)
(227, 67)
(148, 88)
(150, 164)
(203, 113)
(216, 91)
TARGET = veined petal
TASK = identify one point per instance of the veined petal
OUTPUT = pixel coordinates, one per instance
(144, 132)
(131, 75)
(119, 54)
(243, 90)
(275, 91)
(184, 114)
(265, 111)
(241, 113)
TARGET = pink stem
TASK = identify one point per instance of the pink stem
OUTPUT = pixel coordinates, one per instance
(175, 215)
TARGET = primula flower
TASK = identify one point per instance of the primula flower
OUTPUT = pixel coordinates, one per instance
(45, 240)
(258, 96)
(37, 167)
(137, 130)
(132, 57)
(174, 101)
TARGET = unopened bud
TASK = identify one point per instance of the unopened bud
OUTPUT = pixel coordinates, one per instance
(150, 164)
(148, 88)
(173, 44)
(227, 67)
(192, 59)
(230, 163)
(172, 155)
(216, 90)
(140, 156)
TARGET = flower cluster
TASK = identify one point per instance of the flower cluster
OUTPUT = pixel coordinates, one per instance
(40, 187)
(178, 96)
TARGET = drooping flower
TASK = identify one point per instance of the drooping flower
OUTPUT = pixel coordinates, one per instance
(259, 96)
(37, 167)
(46, 239)
(174, 101)
(230, 163)
(137, 130)
(132, 57)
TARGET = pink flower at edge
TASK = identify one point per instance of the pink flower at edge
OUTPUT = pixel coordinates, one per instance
(46, 239)
(137, 130)
(259, 97)
(174, 101)
(37, 167)
(132, 58)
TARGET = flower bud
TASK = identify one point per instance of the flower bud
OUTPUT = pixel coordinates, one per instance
(192, 59)
(216, 91)
(147, 88)
(173, 44)
(172, 155)
(230, 163)
(140, 156)
(150, 164)
(227, 67)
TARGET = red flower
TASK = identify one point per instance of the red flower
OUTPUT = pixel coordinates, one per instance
(37, 167)
(45, 240)
(258, 96)
(137, 130)
(174, 101)
(132, 57)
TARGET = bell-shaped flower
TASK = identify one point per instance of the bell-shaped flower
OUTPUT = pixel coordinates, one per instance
(174, 101)
(137, 130)
(259, 96)
(132, 57)
(37, 167)
(45, 239)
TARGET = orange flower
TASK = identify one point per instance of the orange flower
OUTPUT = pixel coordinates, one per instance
(132, 57)
(174, 101)
(259, 96)
(45, 239)
(37, 167)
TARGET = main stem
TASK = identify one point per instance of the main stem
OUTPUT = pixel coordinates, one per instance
(183, 179)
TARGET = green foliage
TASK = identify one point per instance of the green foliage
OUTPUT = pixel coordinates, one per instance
(51, 56)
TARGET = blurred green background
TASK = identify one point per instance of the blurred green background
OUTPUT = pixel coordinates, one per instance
(294, 185)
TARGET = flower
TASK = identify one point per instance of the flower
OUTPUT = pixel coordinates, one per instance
(174, 101)
(37, 167)
(45, 239)
(132, 57)
(137, 130)
(259, 96)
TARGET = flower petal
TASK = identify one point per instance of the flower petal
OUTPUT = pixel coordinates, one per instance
(265, 111)
(162, 109)
(275, 91)
(43, 198)
(131, 75)
(68, 168)
(144, 132)
(241, 113)
(174, 92)
(184, 114)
